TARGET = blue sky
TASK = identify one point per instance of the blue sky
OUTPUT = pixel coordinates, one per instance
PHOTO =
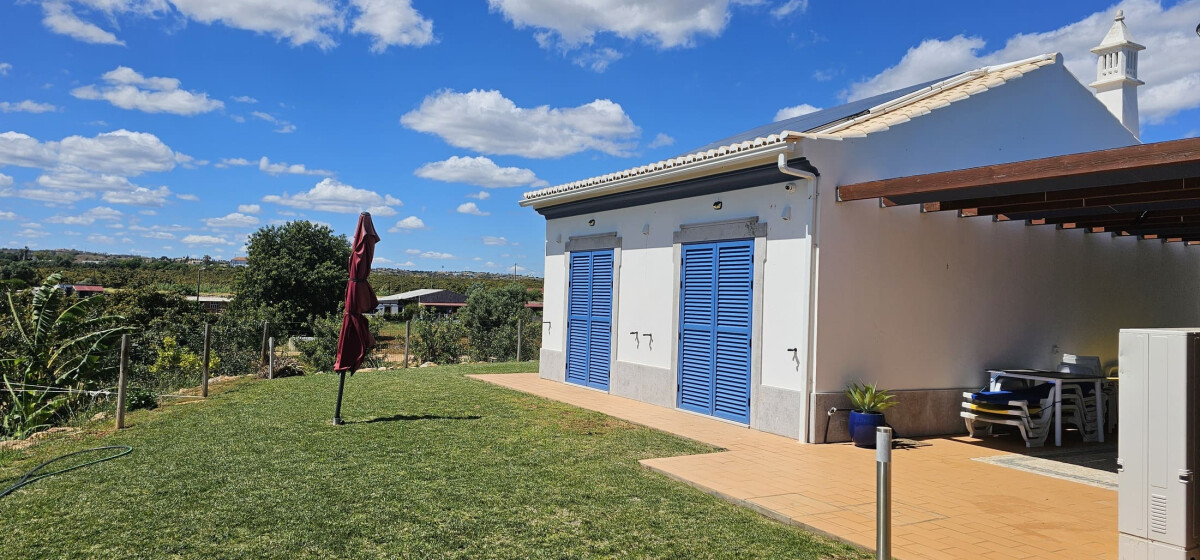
(176, 127)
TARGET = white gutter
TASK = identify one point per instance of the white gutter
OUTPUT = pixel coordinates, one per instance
(813, 263)
(704, 167)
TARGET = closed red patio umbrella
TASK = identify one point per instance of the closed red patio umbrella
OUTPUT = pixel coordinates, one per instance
(355, 339)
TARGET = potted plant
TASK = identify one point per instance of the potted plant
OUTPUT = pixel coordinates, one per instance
(867, 404)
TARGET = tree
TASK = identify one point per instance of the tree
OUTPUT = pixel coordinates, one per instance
(491, 317)
(298, 268)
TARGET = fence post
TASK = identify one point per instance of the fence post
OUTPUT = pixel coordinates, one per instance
(204, 368)
(121, 381)
(271, 358)
(883, 493)
(520, 322)
(266, 334)
(407, 339)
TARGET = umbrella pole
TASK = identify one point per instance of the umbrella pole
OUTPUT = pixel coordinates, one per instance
(337, 410)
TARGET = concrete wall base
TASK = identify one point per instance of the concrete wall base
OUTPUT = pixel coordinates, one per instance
(777, 411)
(643, 383)
(931, 412)
(553, 365)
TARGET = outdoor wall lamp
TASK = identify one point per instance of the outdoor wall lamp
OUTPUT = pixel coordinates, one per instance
(558, 239)
(717, 205)
(787, 213)
(646, 229)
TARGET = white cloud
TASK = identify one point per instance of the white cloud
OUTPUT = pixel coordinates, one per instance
(24, 150)
(298, 21)
(410, 223)
(498, 241)
(139, 196)
(158, 235)
(790, 6)
(391, 22)
(249, 208)
(7, 215)
(99, 238)
(488, 122)
(234, 220)
(660, 140)
(127, 89)
(88, 217)
(435, 255)
(244, 99)
(1170, 78)
(795, 111)
(472, 209)
(60, 18)
(331, 195)
(665, 23)
(205, 240)
(188, 197)
(119, 152)
(27, 106)
(285, 127)
(412, 251)
(5, 68)
(233, 162)
(598, 60)
(479, 171)
(277, 168)
(481, 195)
(5, 181)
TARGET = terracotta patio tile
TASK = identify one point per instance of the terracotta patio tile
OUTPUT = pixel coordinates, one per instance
(945, 505)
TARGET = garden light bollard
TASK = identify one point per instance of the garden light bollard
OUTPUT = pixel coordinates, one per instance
(121, 381)
(407, 338)
(266, 334)
(883, 493)
(271, 358)
(204, 365)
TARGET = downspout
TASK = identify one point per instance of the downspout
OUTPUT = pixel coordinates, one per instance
(813, 194)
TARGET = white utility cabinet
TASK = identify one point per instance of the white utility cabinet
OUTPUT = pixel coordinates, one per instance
(1156, 449)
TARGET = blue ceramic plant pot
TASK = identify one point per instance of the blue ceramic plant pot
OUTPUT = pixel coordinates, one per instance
(862, 427)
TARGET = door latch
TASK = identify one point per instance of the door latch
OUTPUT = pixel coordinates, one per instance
(1185, 476)
(1120, 465)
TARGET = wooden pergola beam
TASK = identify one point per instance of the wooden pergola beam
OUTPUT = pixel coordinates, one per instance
(1121, 165)
(1183, 193)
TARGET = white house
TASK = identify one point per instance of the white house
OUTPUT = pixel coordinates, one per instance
(731, 281)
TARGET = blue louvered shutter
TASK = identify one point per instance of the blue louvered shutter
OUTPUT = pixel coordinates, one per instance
(697, 290)
(731, 394)
(716, 297)
(578, 317)
(599, 352)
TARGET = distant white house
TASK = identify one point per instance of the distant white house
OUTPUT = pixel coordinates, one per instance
(239, 261)
(428, 297)
(731, 282)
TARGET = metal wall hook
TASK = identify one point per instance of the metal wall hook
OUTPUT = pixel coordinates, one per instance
(650, 344)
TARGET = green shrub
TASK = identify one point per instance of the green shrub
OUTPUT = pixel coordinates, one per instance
(320, 352)
(438, 339)
(175, 366)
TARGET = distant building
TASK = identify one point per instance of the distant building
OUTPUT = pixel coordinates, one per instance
(81, 290)
(239, 261)
(214, 304)
(443, 300)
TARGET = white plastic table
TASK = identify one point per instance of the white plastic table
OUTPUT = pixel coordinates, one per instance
(1057, 378)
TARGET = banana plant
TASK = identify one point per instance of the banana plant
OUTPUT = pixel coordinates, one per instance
(50, 348)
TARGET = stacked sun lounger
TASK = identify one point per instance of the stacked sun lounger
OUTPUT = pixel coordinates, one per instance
(1079, 399)
(1027, 409)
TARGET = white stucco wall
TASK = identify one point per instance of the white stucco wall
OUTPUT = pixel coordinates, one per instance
(649, 276)
(924, 301)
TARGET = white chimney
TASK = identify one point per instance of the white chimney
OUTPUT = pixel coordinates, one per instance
(1116, 74)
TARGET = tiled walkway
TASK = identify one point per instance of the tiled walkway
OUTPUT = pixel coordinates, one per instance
(945, 505)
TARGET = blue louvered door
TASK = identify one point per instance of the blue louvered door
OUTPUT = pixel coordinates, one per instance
(589, 318)
(716, 297)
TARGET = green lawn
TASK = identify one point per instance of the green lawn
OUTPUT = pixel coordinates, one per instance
(432, 465)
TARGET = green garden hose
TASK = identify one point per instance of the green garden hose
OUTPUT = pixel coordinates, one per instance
(32, 476)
